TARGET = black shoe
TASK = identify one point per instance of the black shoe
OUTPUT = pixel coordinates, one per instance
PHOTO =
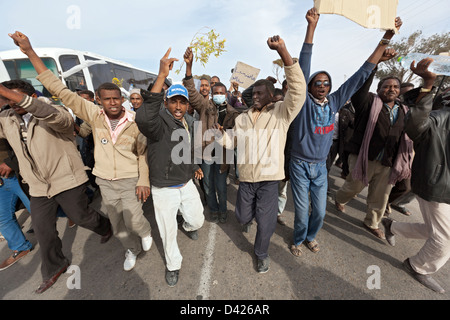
(424, 279)
(214, 217)
(172, 277)
(223, 216)
(107, 236)
(390, 237)
(192, 234)
(246, 227)
(263, 265)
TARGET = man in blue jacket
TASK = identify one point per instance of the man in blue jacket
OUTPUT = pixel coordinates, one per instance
(312, 133)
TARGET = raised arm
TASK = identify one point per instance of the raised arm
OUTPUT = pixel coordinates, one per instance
(382, 45)
(56, 117)
(296, 94)
(358, 84)
(312, 17)
(147, 116)
(165, 66)
(197, 101)
(24, 44)
(420, 102)
(81, 107)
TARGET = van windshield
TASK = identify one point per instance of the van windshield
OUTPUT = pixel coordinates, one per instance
(22, 69)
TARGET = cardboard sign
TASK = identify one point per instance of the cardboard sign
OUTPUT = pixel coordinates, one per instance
(371, 14)
(244, 74)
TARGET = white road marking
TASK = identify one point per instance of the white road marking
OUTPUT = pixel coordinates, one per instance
(207, 269)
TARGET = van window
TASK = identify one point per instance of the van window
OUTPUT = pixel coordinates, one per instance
(75, 80)
(143, 79)
(22, 69)
(124, 75)
(100, 73)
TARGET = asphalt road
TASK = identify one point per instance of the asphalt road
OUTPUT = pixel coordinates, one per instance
(220, 266)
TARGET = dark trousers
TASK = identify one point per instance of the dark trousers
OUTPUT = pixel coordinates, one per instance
(259, 200)
(400, 189)
(74, 203)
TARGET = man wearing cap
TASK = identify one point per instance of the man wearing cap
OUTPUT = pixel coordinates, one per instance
(136, 99)
(120, 155)
(170, 158)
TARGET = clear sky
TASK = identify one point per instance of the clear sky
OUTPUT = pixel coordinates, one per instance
(139, 32)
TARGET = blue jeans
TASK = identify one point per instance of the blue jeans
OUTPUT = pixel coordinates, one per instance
(308, 180)
(215, 182)
(9, 227)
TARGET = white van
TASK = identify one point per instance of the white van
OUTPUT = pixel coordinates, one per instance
(77, 69)
(4, 76)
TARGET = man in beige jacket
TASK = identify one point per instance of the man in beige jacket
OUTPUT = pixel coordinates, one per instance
(41, 136)
(120, 155)
(260, 135)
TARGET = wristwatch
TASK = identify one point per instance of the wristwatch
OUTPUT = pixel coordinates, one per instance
(385, 41)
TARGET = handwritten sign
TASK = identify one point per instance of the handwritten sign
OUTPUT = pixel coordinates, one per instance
(372, 14)
(244, 74)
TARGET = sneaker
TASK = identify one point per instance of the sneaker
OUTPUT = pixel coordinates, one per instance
(16, 256)
(263, 265)
(390, 237)
(424, 279)
(172, 277)
(130, 260)
(147, 242)
(193, 234)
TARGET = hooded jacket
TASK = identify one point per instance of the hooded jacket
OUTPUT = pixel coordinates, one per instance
(312, 130)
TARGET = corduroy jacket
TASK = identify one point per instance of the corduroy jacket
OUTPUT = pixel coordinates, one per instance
(126, 158)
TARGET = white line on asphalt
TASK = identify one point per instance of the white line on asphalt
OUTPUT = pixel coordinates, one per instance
(205, 275)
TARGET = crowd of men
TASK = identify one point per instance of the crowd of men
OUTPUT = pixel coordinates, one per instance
(394, 141)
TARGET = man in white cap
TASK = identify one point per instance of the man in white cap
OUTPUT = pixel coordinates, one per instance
(136, 99)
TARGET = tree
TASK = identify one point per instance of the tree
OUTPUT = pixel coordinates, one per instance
(204, 44)
(416, 42)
